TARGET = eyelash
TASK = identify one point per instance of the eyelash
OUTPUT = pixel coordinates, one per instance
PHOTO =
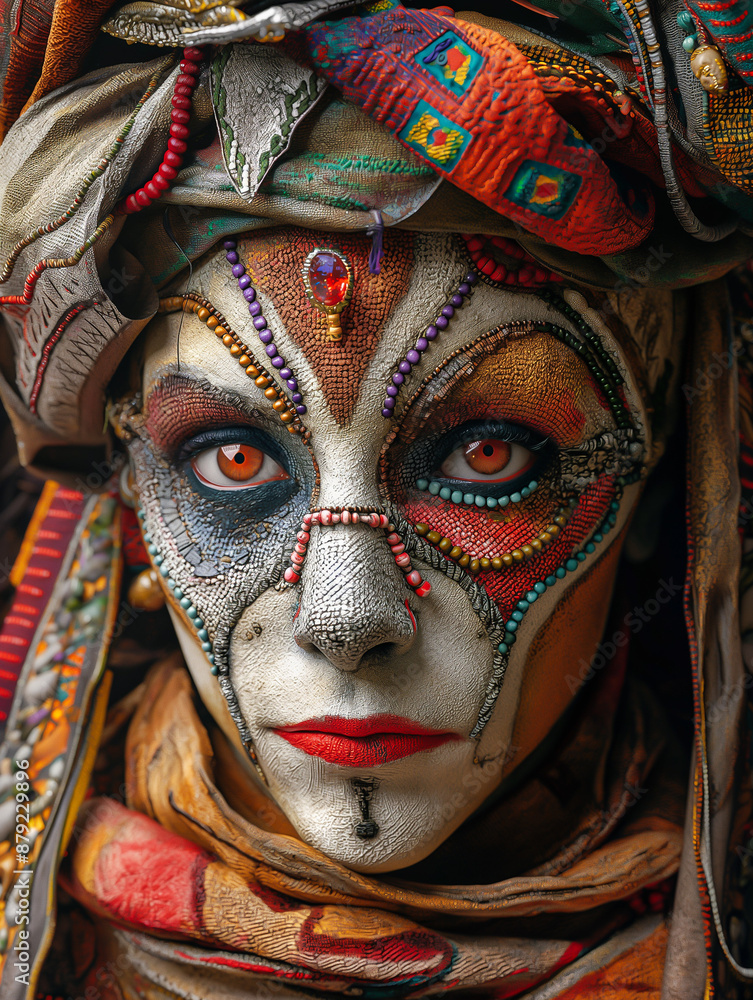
(234, 435)
(229, 435)
(542, 448)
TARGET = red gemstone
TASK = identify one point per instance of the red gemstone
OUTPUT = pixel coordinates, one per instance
(329, 278)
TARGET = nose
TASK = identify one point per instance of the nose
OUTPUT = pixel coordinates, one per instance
(353, 597)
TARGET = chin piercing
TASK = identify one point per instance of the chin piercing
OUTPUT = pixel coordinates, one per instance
(413, 356)
(354, 515)
(364, 789)
(328, 280)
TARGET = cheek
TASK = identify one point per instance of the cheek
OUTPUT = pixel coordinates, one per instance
(567, 640)
(517, 539)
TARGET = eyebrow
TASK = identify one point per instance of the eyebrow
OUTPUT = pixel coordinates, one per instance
(180, 405)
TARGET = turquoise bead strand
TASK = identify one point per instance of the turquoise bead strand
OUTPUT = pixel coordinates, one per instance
(541, 586)
(185, 603)
(435, 488)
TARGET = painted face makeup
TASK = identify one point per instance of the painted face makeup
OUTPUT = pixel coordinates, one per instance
(368, 588)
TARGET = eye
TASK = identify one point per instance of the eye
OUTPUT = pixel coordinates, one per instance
(236, 466)
(487, 460)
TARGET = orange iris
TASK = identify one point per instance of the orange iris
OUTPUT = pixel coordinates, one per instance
(487, 457)
(240, 462)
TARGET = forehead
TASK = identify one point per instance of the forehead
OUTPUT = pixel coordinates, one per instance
(344, 382)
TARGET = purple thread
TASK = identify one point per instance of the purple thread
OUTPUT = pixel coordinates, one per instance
(413, 356)
(376, 232)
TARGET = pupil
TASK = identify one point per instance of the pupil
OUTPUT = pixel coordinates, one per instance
(239, 458)
(488, 450)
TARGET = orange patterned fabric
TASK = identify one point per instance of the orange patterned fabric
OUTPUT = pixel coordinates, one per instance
(635, 973)
(247, 885)
(45, 43)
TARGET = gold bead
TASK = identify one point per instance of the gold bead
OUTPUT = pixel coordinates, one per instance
(287, 417)
(537, 544)
(279, 404)
(545, 537)
(527, 551)
(517, 555)
(252, 371)
(455, 552)
(270, 393)
(145, 593)
(211, 321)
(262, 381)
(497, 563)
(235, 350)
(244, 360)
(507, 558)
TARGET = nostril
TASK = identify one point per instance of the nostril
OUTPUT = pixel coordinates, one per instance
(352, 599)
(349, 640)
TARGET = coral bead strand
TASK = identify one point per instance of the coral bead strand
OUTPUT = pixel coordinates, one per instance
(180, 115)
(353, 515)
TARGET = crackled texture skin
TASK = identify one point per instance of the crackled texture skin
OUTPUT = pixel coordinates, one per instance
(351, 639)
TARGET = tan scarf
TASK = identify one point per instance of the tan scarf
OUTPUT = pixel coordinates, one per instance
(204, 876)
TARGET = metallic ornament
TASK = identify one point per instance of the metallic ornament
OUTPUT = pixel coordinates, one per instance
(328, 280)
(146, 593)
(708, 67)
(127, 487)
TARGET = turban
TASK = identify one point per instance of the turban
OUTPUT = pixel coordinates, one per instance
(586, 132)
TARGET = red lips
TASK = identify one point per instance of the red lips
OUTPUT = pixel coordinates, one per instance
(363, 742)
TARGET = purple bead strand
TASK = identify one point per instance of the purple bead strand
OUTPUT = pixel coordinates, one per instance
(413, 356)
(260, 324)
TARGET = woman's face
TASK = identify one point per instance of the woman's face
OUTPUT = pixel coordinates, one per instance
(506, 464)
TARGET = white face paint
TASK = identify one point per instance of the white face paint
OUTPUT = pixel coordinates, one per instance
(360, 697)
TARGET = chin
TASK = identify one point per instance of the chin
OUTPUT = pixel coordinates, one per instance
(373, 819)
